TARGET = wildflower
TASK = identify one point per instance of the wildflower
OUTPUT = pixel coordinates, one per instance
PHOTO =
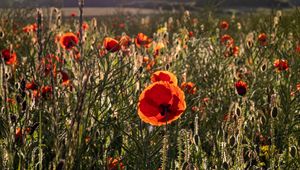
(31, 86)
(73, 14)
(10, 58)
(30, 28)
(262, 38)
(111, 44)
(11, 101)
(18, 134)
(65, 78)
(150, 65)
(48, 64)
(189, 87)
(142, 40)
(232, 51)
(125, 41)
(68, 40)
(164, 76)
(227, 39)
(224, 25)
(281, 64)
(46, 91)
(145, 60)
(114, 164)
(85, 26)
(161, 103)
(298, 48)
(241, 87)
(191, 34)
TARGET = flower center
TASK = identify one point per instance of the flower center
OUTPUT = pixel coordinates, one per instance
(164, 109)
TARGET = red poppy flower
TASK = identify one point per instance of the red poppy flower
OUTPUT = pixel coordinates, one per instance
(227, 39)
(262, 38)
(122, 25)
(65, 78)
(191, 34)
(164, 76)
(114, 164)
(73, 14)
(111, 44)
(30, 28)
(281, 64)
(9, 58)
(18, 134)
(161, 103)
(46, 91)
(224, 25)
(298, 87)
(232, 51)
(298, 48)
(48, 64)
(68, 40)
(125, 41)
(150, 65)
(145, 60)
(31, 86)
(85, 26)
(11, 101)
(142, 40)
(241, 87)
(189, 87)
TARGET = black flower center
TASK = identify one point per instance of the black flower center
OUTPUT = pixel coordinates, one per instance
(164, 109)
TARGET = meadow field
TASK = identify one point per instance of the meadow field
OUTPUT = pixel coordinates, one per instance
(149, 90)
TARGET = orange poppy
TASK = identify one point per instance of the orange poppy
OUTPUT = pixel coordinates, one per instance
(85, 26)
(150, 65)
(224, 25)
(31, 86)
(68, 40)
(30, 28)
(262, 38)
(18, 134)
(241, 87)
(47, 64)
(145, 60)
(298, 48)
(73, 14)
(281, 64)
(11, 101)
(114, 164)
(125, 41)
(164, 76)
(111, 44)
(142, 40)
(65, 78)
(161, 103)
(10, 58)
(46, 91)
(232, 51)
(298, 86)
(189, 87)
(227, 39)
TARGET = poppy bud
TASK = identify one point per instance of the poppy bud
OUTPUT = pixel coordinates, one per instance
(60, 165)
(225, 165)
(241, 87)
(293, 151)
(274, 112)
(232, 141)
